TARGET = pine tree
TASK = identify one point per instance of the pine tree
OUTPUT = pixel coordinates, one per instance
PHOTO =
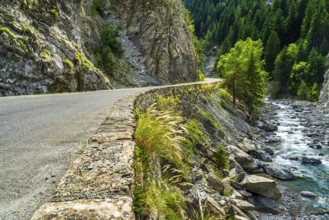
(243, 70)
(271, 50)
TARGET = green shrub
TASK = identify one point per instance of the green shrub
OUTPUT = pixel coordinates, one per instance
(110, 50)
(84, 61)
(54, 11)
(200, 75)
(98, 7)
(169, 103)
(313, 93)
(160, 132)
(158, 135)
(302, 90)
(195, 136)
(221, 158)
(159, 197)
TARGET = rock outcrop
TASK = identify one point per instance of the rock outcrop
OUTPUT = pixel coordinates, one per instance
(324, 94)
(49, 46)
(159, 30)
(46, 46)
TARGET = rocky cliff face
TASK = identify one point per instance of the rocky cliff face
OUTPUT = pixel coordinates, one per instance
(159, 30)
(324, 95)
(46, 45)
(58, 46)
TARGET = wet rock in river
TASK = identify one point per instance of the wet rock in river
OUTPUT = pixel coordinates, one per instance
(315, 146)
(269, 151)
(308, 194)
(261, 155)
(278, 172)
(267, 126)
(311, 161)
(293, 158)
(273, 139)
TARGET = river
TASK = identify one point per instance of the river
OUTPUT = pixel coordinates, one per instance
(302, 126)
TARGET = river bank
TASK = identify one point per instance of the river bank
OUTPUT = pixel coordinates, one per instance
(298, 134)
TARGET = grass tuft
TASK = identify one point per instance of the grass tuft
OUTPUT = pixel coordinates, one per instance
(8, 31)
(68, 63)
(160, 132)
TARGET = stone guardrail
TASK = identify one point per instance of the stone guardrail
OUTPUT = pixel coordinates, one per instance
(98, 184)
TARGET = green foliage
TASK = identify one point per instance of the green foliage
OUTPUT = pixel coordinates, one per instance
(200, 75)
(313, 93)
(299, 72)
(197, 45)
(221, 158)
(169, 103)
(224, 94)
(159, 197)
(98, 7)
(83, 147)
(158, 136)
(8, 31)
(301, 25)
(68, 63)
(84, 61)
(244, 74)
(195, 136)
(109, 51)
(302, 90)
(54, 11)
(272, 49)
(207, 214)
(209, 117)
(46, 54)
(160, 132)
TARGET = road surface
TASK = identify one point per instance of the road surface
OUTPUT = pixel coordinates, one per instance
(39, 137)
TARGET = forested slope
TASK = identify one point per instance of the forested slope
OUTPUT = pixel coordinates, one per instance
(294, 34)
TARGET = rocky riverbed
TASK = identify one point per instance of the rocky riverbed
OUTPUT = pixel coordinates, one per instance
(296, 134)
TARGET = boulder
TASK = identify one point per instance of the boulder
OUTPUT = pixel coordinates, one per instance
(262, 186)
(214, 182)
(236, 195)
(273, 139)
(265, 204)
(247, 145)
(278, 172)
(243, 205)
(244, 159)
(267, 126)
(214, 206)
(311, 161)
(261, 155)
(269, 151)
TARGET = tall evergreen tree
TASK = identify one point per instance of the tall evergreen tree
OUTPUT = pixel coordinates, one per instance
(243, 70)
(271, 50)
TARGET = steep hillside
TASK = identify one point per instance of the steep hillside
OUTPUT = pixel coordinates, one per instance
(294, 34)
(324, 95)
(160, 31)
(46, 46)
(52, 46)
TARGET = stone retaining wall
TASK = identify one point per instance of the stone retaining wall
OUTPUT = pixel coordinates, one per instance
(98, 184)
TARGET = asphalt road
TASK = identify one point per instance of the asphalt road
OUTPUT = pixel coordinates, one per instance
(39, 137)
